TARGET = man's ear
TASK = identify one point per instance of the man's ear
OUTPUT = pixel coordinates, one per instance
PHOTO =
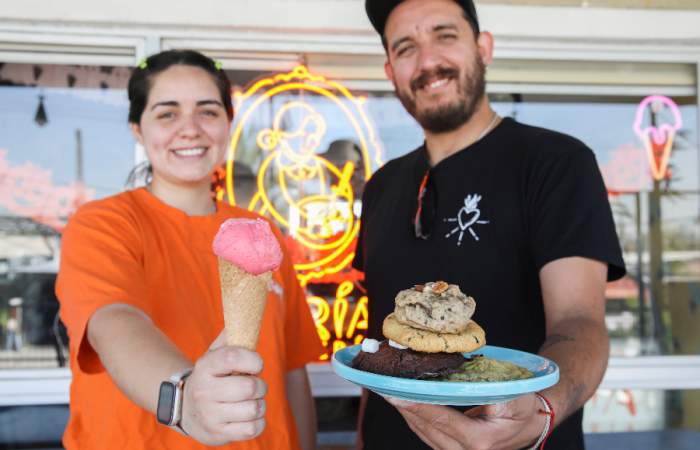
(484, 44)
(136, 131)
(389, 71)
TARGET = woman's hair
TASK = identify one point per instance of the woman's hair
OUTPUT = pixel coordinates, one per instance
(142, 77)
(141, 82)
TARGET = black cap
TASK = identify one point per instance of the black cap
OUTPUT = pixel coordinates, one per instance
(378, 12)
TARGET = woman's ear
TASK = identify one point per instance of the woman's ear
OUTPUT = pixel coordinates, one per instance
(136, 131)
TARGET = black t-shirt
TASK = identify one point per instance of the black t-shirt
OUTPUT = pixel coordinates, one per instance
(504, 207)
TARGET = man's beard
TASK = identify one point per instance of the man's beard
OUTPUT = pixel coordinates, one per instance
(451, 115)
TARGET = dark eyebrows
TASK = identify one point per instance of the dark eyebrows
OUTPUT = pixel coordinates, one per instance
(167, 103)
(445, 26)
(210, 102)
(436, 29)
(398, 42)
(199, 103)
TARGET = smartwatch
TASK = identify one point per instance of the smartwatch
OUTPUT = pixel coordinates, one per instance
(169, 410)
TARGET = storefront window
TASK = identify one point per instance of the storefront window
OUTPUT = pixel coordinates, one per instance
(301, 119)
(302, 149)
(634, 410)
(68, 142)
(654, 309)
(65, 141)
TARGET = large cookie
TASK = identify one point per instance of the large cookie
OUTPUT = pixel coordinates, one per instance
(437, 307)
(426, 341)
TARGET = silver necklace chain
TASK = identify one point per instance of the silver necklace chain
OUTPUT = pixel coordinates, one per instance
(487, 128)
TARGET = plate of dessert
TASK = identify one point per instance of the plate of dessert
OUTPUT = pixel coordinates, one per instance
(435, 353)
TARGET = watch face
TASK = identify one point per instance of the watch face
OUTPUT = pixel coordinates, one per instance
(166, 401)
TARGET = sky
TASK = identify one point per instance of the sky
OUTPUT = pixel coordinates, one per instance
(108, 148)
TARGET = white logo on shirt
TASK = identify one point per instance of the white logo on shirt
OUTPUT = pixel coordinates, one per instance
(467, 216)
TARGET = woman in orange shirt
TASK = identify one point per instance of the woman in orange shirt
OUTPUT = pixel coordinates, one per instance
(139, 293)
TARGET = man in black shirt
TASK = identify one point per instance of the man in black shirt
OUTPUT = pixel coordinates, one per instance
(517, 216)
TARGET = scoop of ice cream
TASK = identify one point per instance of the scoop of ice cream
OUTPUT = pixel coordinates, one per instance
(249, 244)
(438, 307)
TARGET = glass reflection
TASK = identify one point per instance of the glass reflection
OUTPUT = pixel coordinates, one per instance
(65, 141)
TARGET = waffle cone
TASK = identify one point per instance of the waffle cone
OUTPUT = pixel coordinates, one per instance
(243, 296)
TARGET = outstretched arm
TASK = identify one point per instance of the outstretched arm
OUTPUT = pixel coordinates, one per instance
(223, 400)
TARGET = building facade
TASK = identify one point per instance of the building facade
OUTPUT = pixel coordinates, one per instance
(602, 74)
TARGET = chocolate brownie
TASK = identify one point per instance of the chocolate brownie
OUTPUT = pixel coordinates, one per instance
(407, 363)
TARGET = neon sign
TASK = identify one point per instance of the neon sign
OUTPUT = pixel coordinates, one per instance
(308, 186)
(658, 137)
(339, 315)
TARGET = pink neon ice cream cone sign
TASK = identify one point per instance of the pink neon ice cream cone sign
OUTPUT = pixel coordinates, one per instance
(658, 139)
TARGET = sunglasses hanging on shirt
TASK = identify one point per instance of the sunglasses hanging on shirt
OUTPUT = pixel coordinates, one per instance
(424, 219)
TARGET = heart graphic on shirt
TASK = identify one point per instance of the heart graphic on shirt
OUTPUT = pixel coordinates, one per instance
(466, 219)
(467, 216)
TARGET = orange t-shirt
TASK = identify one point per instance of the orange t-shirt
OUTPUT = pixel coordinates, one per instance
(132, 248)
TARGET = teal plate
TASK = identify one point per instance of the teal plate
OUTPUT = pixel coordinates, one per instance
(546, 374)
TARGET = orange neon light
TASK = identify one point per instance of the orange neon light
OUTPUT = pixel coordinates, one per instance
(310, 197)
(321, 313)
(340, 310)
(359, 318)
(330, 224)
(658, 155)
(343, 329)
(282, 83)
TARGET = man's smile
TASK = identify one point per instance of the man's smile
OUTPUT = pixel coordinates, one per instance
(435, 81)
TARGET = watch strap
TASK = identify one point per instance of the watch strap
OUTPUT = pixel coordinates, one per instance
(176, 384)
(180, 376)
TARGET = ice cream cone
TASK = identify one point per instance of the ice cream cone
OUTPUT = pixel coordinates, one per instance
(243, 296)
(659, 152)
(248, 252)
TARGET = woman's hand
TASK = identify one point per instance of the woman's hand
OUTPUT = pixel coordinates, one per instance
(223, 399)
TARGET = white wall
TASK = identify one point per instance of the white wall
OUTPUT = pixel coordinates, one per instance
(347, 16)
(297, 14)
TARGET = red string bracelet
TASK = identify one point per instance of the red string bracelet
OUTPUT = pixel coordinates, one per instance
(548, 424)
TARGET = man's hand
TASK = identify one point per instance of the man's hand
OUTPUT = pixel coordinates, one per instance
(510, 425)
(223, 400)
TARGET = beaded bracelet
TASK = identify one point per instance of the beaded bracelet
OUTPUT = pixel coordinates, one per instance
(549, 421)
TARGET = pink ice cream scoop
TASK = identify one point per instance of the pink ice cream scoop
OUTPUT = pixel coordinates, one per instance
(248, 244)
